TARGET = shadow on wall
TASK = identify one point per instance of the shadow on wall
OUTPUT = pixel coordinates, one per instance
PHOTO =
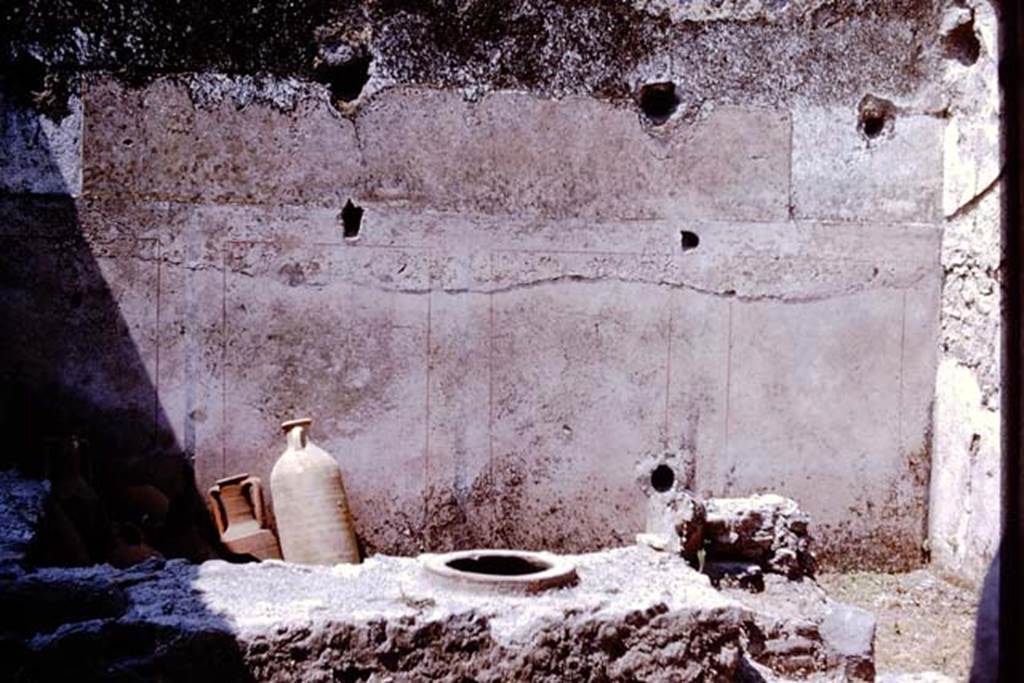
(77, 400)
(78, 406)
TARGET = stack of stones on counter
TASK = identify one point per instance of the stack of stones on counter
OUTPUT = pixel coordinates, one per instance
(765, 531)
(732, 540)
(757, 550)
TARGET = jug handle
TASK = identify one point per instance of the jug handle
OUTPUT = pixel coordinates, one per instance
(252, 491)
(217, 506)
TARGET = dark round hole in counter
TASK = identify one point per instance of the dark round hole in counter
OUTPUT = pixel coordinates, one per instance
(689, 240)
(499, 565)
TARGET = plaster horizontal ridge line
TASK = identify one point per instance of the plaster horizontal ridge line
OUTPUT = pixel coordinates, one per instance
(584, 280)
(180, 200)
(399, 208)
(525, 219)
(172, 262)
(934, 224)
(382, 205)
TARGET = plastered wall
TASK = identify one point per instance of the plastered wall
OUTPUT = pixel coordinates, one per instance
(546, 285)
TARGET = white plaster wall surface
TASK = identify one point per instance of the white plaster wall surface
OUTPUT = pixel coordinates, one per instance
(517, 322)
(966, 486)
(513, 328)
(839, 173)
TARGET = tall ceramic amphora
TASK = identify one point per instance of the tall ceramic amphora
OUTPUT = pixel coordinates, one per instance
(314, 524)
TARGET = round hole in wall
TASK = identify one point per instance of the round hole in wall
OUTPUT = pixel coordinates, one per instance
(659, 101)
(662, 478)
(873, 125)
(875, 115)
(345, 78)
(962, 44)
(689, 240)
(351, 219)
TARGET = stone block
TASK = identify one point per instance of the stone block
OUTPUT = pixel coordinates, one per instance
(158, 144)
(804, 631)
(841, 173)
(519, 155)
(849, 634)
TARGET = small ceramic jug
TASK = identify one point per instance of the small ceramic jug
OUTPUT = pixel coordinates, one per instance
(237, 504)
(313, 518)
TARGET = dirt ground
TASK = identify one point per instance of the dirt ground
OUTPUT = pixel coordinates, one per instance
(925, 621)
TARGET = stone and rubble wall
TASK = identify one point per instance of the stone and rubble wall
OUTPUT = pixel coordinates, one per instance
(965, 522)
(555, 269)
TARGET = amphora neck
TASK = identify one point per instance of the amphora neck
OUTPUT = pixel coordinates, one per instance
(297, 437)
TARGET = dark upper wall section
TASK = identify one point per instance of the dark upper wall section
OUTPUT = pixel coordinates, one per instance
(743, 51)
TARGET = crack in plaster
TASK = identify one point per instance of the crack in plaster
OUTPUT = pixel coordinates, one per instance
(974, 201)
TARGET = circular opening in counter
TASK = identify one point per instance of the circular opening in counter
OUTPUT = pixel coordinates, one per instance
(516, 570)
(499, 565)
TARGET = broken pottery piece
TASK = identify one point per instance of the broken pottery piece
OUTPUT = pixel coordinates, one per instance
(237, 505)
(314, 524)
